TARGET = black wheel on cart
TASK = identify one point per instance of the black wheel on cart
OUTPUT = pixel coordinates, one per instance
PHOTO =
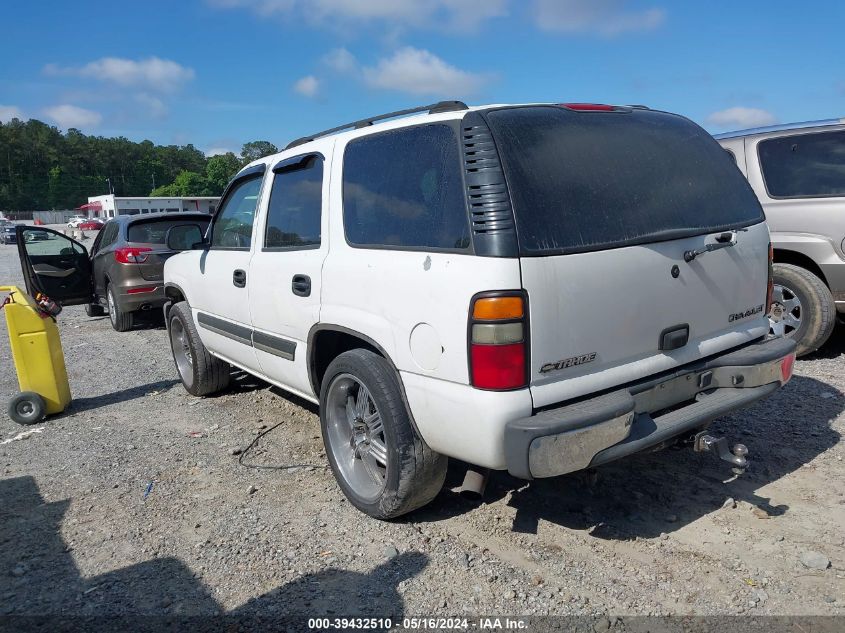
(27, 408)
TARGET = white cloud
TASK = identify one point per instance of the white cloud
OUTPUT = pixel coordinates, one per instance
(68, 116)
(739, 117)
(307, 86)
(153, 105)
(421, 72)
(217, 151)
(153, 73)
(605, 17)
(341, 60)
(450, 14)
(7, 113)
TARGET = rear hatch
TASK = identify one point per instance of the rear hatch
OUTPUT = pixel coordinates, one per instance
(606, 204)
(152, 234)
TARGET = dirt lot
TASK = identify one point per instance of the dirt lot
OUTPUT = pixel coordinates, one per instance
(662, 533)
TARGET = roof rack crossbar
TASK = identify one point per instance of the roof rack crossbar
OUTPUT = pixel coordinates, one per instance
(434, 108)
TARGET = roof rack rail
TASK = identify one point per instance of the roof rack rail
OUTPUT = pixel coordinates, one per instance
(434, 108)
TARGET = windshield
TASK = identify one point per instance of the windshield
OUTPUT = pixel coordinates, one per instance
(583, 181)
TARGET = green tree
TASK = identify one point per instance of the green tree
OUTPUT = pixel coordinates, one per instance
(257, 149)
(219, 171)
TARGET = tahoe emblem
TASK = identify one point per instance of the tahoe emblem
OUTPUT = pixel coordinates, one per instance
(744, 315)
(566, 363)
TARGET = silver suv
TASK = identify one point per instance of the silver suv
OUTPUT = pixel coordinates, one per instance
(798, 174)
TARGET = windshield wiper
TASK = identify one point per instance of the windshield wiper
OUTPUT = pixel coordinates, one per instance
(722, 241)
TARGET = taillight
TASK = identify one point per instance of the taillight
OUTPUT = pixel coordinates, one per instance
(131, 255)
(770, 289)
(498, 332)
(589, 107)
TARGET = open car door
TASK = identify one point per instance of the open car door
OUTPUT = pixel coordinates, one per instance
(54, 265)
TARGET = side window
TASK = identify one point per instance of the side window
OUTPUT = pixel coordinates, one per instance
(403, 188)
(293, 217)
(233, 225)
(804, 165)
(109, 235)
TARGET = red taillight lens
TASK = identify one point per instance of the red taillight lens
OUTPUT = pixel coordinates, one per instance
(131, 255)
(589, 107)
(786, 367)
(770, 289)
(498, 366)
(498, 341)
(140, 290)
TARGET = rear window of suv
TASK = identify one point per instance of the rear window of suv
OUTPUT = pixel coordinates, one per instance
(804, 165)
(155, 231)
(584, 181)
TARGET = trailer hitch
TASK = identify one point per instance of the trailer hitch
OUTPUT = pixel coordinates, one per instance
(735, 456)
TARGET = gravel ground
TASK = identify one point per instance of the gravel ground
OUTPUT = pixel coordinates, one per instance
(663, 533)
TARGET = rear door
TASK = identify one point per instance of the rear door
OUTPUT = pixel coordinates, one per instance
(54, 265)
(616, 214)
(285, 271)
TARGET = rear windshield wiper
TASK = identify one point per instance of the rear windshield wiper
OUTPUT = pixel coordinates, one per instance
(722, 241)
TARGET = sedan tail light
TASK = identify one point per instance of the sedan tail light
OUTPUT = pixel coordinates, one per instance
(131, 255)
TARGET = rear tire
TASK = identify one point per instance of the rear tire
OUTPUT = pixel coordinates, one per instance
(201, 373)
(803, 308)
(94, 309)
(27, 408)
(380, 462)
(120, 320)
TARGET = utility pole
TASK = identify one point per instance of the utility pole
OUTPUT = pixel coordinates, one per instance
(154, 179)
(108, 180)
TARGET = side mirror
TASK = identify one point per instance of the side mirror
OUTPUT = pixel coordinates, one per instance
(184, 237)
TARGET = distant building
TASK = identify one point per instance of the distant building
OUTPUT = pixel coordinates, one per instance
(110, 206)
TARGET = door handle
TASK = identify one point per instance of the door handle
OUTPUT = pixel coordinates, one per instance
(239, 278)
(301, 285)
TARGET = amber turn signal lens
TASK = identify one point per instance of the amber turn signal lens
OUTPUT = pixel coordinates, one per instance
(492, 308)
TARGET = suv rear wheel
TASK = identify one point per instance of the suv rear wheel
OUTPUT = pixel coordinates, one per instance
(201, 373)
(802, 308)
(120, 320)
(383, 467)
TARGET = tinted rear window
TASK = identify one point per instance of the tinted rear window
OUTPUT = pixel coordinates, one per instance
(582, 181)
(804, 165)
(403, 189)
(155, 231)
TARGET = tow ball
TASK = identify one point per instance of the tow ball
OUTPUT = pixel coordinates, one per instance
(735, 456)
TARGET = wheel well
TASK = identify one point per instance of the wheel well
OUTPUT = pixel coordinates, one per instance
(174, 294)
(326, 345)
(800, 260)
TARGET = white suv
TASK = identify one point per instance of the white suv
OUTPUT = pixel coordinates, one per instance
(538, 288)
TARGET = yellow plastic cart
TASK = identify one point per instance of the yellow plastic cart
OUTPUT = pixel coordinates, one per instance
(39, 360)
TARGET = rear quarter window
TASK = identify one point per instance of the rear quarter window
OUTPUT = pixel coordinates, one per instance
(804, 165)
(403, 189)
(583, 181)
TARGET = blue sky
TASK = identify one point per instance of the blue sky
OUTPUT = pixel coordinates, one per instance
(217, 73)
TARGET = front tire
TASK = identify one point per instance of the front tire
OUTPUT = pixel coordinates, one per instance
(94, 310)
(120, 320)
(201, 373)
(380, 462)
(802, 308)
(27, 408)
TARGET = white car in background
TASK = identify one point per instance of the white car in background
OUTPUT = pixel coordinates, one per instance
(76, 221)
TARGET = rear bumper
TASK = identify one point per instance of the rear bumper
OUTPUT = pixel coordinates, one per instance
(614, 425)
(133, 295)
